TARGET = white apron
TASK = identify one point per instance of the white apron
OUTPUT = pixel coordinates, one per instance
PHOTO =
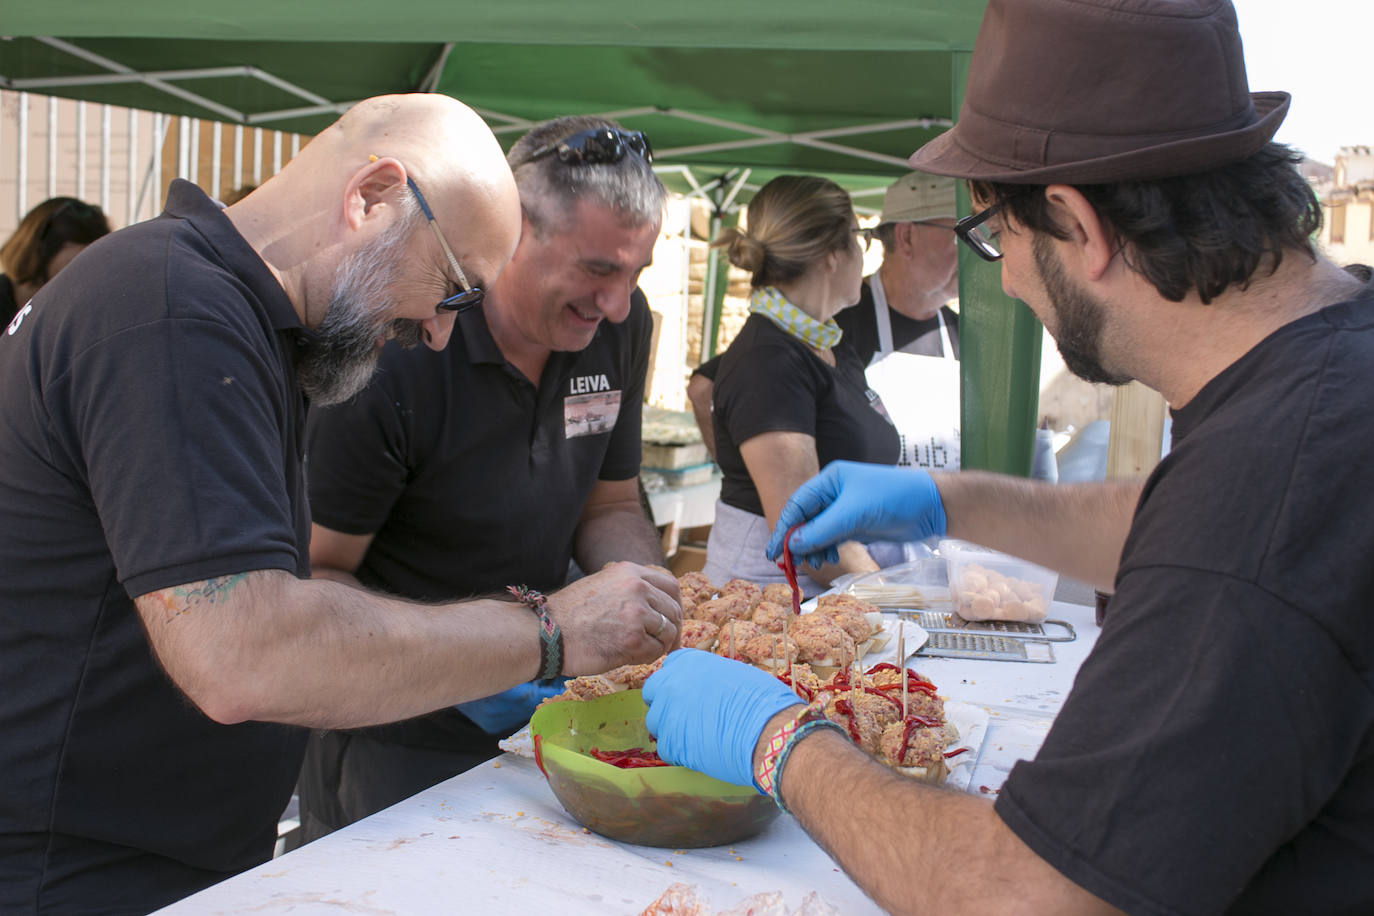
(921, 393)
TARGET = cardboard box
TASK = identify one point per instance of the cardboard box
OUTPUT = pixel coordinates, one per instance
(673, 457)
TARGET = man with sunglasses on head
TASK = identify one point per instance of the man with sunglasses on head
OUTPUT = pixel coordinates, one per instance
(163, 648)
(1217, 750)
(501, 459)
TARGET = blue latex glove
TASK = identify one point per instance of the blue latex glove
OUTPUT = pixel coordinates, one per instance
(852, 501)
(508, 711)
(707, 712)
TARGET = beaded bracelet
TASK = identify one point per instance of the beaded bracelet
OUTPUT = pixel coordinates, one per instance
(550, 636)
(769, 776)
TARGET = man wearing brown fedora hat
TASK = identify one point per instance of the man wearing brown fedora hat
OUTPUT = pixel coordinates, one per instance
(1217, 750)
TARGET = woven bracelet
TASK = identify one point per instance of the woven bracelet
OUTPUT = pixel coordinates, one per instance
(766, 778)
(550, 636)
(804, 729)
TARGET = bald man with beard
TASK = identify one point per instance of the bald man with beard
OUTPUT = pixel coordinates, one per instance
(161, 642)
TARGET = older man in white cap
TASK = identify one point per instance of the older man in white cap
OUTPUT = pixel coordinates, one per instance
(902, 328)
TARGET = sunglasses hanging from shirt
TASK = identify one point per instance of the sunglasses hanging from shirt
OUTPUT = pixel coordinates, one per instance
(597, 146)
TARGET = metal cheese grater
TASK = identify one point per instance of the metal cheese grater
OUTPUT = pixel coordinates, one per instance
(988, 646)
(945, 622)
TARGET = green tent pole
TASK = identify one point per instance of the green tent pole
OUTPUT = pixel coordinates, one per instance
(999, 354)
(713, 291)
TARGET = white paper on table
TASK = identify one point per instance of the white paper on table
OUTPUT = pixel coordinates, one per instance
(1011, 736)
(914, 636)
(520, 744)
(972, 723)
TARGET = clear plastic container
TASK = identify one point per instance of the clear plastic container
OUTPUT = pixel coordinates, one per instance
(987, 585)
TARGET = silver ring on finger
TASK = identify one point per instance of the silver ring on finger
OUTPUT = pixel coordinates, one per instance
(662, 622)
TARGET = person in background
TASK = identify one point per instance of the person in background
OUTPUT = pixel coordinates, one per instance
(701, 384)
(48, 237)
(1216, 752)
(904, 333)
(535, 409)
(163, 649)
(788, 399)
(902, 330)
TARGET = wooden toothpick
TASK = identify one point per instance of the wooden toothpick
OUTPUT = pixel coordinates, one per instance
(901, 661)
(786, 655)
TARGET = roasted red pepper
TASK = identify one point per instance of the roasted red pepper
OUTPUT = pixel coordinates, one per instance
(800, 689)
(914, 682)
(909, 724)
(789, 568)
(845, 708)
(630, 758)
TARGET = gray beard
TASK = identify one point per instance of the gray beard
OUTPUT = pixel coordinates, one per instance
(340, 358)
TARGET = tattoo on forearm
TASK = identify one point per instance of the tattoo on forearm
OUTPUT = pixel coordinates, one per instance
(183, 599)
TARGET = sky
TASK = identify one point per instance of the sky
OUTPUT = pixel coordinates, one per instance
(1317, 51)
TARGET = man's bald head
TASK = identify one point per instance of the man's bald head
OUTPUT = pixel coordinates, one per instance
(350, 200)
(353, 181)
(440, 139)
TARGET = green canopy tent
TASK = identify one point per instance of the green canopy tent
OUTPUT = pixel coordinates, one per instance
(730, 93)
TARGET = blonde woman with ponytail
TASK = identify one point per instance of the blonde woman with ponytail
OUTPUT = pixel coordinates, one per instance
(788, 401)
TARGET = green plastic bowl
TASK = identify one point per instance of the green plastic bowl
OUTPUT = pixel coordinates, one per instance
(671, 807)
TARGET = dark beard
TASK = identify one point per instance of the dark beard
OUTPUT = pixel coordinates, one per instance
(342, 353)
(1079, 318)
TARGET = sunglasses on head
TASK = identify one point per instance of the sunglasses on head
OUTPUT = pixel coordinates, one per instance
(597, 146)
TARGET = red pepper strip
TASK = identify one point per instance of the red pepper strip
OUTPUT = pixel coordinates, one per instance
(845, 708)
(910, 724)
(539, 757)
(789, 568)
(786, 678)
(955, 753)
(913, 680)
(888, 666)
(913, 686)
(878, 692)
(630, 759)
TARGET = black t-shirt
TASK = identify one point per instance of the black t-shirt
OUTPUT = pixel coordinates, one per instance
(860, 327)
(1217, 750)
(150, 435)
(471, 478)
(770, 381)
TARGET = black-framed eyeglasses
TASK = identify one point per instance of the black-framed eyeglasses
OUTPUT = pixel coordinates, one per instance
(470, 296)
(971, 231)
(865, 236)
(597, 146)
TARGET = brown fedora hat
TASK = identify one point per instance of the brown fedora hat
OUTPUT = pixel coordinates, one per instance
(1097, 91)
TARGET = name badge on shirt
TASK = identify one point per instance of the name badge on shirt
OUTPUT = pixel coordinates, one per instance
(590, 414)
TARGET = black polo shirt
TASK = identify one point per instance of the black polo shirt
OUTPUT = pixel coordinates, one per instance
(470, 477)
(769, 381)
(860, 327)
(150, 435)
